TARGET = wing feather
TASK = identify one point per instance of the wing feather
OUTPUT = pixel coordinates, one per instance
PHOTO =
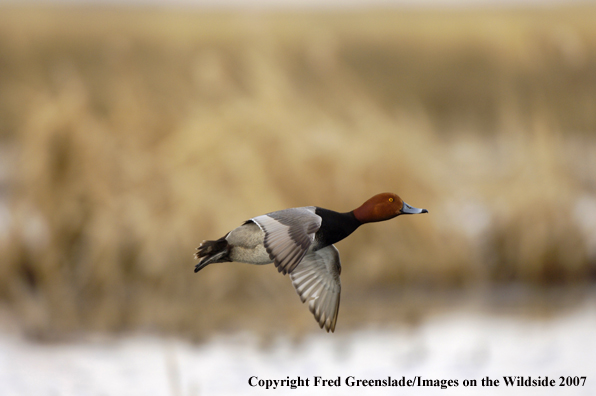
(289, 234)
(316, 279)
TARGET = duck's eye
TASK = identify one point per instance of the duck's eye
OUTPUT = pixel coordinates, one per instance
(390, 199)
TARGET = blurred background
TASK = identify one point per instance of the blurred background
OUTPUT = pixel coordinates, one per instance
(129, 134)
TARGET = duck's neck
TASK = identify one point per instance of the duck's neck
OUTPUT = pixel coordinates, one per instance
(335, 226)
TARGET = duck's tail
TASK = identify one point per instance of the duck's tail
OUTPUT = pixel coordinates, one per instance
(210, 252)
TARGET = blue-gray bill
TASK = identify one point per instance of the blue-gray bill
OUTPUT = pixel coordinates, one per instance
(407, 209)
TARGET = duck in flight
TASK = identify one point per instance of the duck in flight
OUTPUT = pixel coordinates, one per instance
(299, 241)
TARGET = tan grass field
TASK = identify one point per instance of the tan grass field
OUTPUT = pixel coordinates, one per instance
(129, 136)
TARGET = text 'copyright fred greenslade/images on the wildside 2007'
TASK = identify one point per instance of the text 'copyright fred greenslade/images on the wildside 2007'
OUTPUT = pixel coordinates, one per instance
(418, 381)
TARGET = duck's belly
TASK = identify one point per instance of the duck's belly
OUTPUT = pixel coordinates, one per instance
(247, 245)
(256, 255)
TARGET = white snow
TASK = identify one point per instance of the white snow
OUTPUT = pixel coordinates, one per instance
(458, 345)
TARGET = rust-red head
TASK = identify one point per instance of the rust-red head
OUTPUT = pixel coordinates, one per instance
(383, 207)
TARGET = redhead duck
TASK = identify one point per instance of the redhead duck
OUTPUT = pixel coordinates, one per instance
(300, 243)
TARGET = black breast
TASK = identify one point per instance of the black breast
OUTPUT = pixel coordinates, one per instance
(334, 226)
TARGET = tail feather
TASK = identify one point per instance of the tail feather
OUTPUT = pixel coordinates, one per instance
(210, 252)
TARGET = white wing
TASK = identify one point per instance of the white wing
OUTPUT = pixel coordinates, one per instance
(316, 280)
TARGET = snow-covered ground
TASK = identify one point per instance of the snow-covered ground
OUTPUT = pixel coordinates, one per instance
(459, 345)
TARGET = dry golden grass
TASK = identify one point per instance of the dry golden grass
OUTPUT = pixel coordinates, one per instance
(139, 133)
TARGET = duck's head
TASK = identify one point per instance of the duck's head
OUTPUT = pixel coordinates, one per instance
(382, 207)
